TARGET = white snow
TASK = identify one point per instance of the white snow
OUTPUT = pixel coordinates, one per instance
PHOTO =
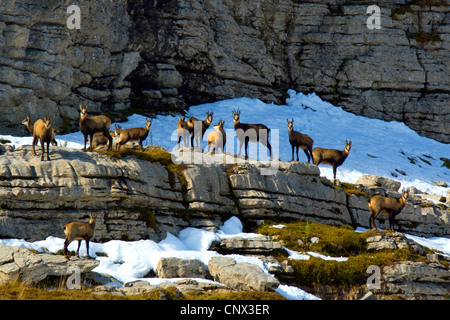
(379, 148)
(133, 260)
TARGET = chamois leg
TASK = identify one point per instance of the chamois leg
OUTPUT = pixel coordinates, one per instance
(78, 248)
(246, 147)
(334, 174)
(43, 149)
(270, 150)
(48, 151)
(66, 244)
(87, 248)
(85, 141)
(91, 138)
(34, 143)
(307, 154)
(110, 139)
(292, 146)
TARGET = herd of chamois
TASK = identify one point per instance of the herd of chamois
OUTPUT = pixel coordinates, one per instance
(97, 130)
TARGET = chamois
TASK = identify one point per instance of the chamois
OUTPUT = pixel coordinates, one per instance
(196, 134)
(182, 132)
(91, 125)
(217, 138)
(139, 134)
(250, 133)
(331, 156)
(30, 126)
(43, 131)
(100, 140)
(79, 231)
(388, 206)
(299, 140)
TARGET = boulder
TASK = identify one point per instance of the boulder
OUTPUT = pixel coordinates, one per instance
(260, 245)
(393, 241)
(241, 276)
(180, 268)
(372, 181)
(31, 268)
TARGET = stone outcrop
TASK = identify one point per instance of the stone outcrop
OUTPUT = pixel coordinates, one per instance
(138, 199)
(31, 268)
(415, 281)
(164, 56)
(240, 276)
(180, 268)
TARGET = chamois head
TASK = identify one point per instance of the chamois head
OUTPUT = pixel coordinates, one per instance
(117, 130)
(47, 122)
(209, 117)
(405, 195)
(27, 120)
(219, 125)
(148, 123)
(348, 146)
(83, 112)
(290, 124)
(236, 115)
(92, 218)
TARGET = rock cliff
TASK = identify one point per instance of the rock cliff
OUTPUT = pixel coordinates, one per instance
(140, 199)
(166, 55)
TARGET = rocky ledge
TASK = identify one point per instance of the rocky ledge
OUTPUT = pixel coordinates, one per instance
(140, 198)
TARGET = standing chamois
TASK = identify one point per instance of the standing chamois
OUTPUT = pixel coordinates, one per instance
(79, 231)
(30, 126)
(250, 133)
(196, 133)
(91, 125)
(331, 156)
(182, 132)
(388, 206)
(217, 139)
(43, 131)
(299, 140)
(139, 134)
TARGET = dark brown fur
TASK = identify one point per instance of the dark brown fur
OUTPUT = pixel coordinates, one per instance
(91, 125)
(388, 206)
(333, 157)
(244, 133)
(79, 231)
(43, 131)
(139, 134)
(299, 140)
(205, 125)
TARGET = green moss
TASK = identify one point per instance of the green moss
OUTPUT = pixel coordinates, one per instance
(423, 37)
(153, 154)
(334, 241)
(446, 162)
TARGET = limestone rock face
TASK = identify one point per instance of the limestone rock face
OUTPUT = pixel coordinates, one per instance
(31, 268)
(171, 54)
(137, 199)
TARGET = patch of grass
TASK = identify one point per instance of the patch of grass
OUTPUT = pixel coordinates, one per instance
(446, 162)
(18, 291)
(334, 241)
(4, 141)
(423, 37)
(316, 271)
(153, 154)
